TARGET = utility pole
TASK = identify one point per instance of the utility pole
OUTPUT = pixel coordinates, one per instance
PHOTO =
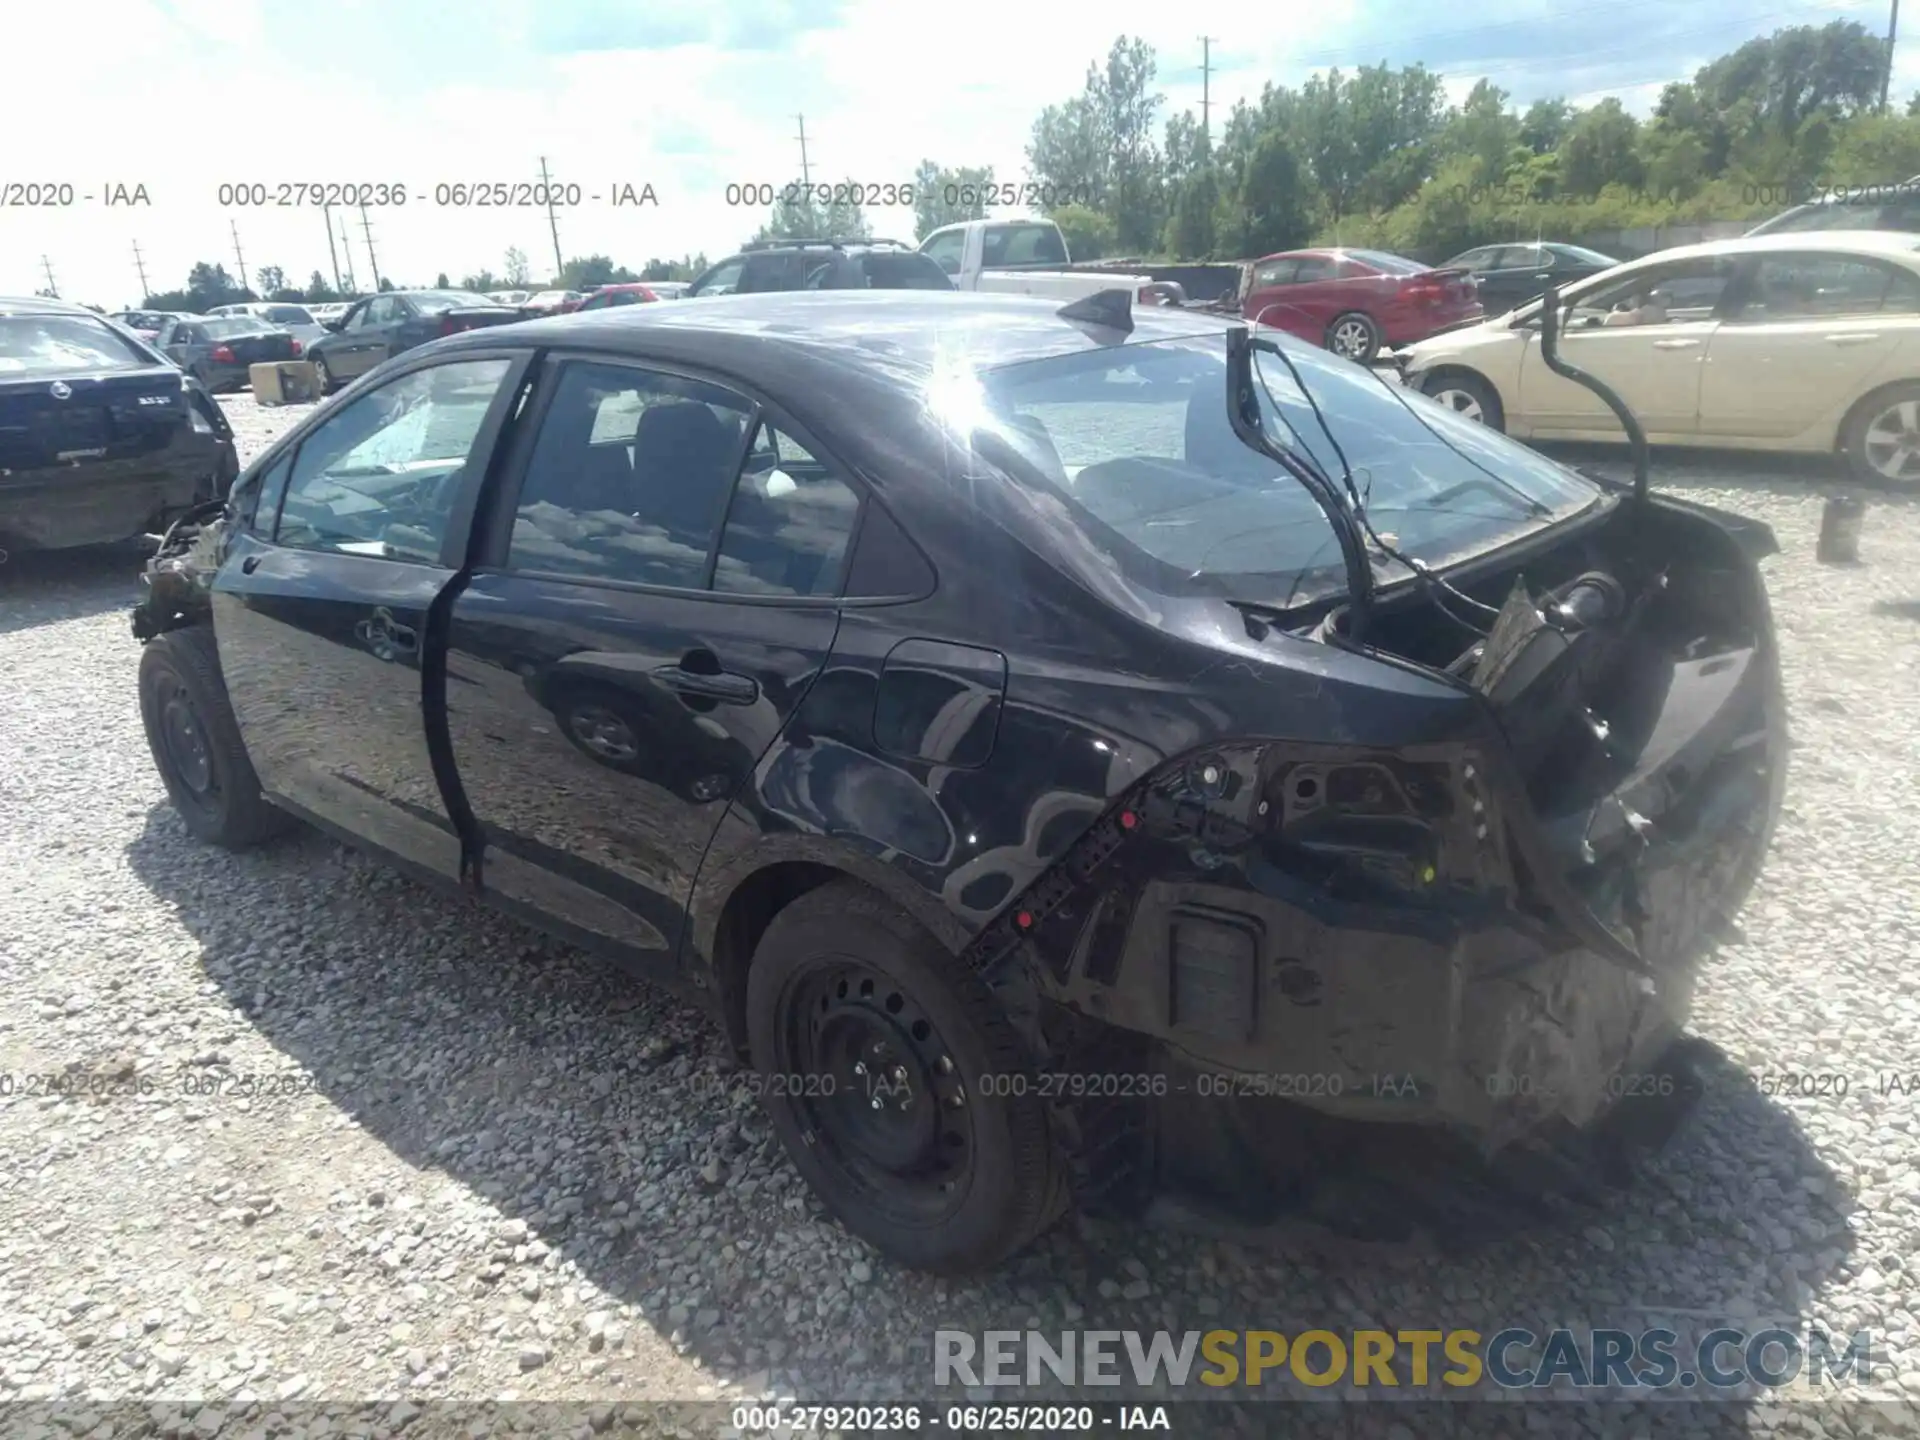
(373, 261)
(1893, 31)
(52, 289)
(238, 257)
(346, 255)
(140, 265)
(326, 213)
(1206, 91)
(806, 174)
(553, 225)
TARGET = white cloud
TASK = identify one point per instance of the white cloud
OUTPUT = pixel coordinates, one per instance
(184, 95)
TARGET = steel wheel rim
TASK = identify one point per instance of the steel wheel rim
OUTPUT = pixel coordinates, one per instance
(1462, 403)
(603, 733)
(876, 1091)
(1893, 443)
(1351, 338)
(184, 740)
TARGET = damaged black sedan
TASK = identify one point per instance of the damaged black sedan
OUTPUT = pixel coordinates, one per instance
(101, 437)
(1063, 747)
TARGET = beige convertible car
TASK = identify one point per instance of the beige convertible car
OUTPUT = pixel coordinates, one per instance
(1792, 342)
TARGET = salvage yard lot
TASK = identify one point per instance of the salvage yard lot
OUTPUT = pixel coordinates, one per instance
(391, 1145)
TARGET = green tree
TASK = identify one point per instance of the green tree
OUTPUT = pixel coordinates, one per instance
(1088, 232)
(1196, 210)
(518, 276)
(1266, 206)
(318, 291)
(590, 272)
(944, 196)
(210, 285)
(1545, 125)
(1602, 148)
(1102, 142)
(270, 278)
(1484, 132)
(482, 281)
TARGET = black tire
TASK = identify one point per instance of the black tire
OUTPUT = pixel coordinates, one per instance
(323, 377)
(1881, 439)
(196, 742)
(1354, 336)
(1451, 386)
(936, 1184)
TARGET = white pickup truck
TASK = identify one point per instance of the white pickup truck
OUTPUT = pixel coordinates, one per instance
(1012, 257)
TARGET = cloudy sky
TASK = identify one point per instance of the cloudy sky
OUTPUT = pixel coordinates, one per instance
(181, 96)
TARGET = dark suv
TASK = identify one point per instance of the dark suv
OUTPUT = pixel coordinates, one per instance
(821, 265)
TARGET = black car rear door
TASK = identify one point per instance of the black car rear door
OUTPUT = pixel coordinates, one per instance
(323, 604)
(652, 598)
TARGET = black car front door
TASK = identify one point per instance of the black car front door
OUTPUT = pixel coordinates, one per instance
(654, 596)
(322, 605)
(1519, 273)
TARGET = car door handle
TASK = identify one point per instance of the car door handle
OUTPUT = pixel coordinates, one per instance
(1853, 339)
(728, 688)
(1676, 344)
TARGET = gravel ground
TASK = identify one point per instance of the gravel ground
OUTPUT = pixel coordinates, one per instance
(399, 1149)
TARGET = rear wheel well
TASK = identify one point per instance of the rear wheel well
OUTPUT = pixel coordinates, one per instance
(749, 911)
(1854, 412)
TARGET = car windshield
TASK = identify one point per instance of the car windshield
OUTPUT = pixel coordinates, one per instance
(1390, 264)
(63, 344)
(1132, 446)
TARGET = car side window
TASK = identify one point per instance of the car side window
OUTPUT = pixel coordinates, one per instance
(379, 476)
(947, 251)
(1314, 267)
(1796, 287)
(1275, 272)
(1481, 259)
(628, 476)
(1668, 295)
(261, 508)
(788, 524)
(723, 279)
(358, 319)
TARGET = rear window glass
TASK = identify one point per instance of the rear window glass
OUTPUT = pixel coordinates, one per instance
(235, 325)
(905, 272)
(1381, 260)
(432, 302)
(1132, 446)
(57, 344)
(1022, 245)
(288, 315)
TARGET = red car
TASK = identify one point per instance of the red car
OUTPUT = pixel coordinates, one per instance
(1357, 302)
(610, 295)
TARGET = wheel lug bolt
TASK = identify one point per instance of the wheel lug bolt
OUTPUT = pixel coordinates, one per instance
(945, 1067)
(900, 1074)
(859, 1067)
(876, 1102)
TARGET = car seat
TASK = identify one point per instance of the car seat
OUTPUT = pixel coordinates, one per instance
(682, 460)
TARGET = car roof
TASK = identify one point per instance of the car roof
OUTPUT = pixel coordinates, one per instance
(41, 305)
(898, 337)
(1887, 244)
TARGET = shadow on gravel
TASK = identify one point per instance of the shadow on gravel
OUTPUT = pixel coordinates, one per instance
(600, 1114)
(44, 587)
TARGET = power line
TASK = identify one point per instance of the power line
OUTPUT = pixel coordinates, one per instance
(373, 260)
(1893, 31)
(333, 254)
(1206, 91)
(553, 225)
(346, 256)
(240, 259)
(140, 267)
